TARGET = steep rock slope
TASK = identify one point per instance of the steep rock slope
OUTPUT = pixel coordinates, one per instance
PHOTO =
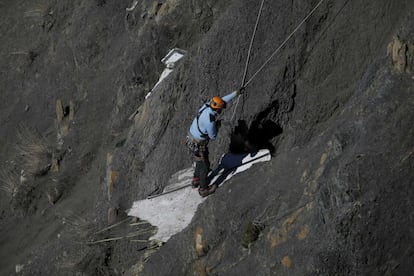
(338, 173)
(336, 106)
(72, 73)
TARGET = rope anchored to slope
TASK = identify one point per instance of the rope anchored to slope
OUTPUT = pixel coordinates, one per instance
(284, 42)
(246, 83)
(248, 55)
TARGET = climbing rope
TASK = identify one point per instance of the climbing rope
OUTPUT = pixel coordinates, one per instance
(284, 42)
(251, 44)
(244, 83)
(248, 55)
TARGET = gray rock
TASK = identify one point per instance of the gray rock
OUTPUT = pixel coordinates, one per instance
(333, 107)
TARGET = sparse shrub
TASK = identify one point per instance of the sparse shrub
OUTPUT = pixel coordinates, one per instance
(9, 180)
(18, 187)
(37, 11)
(22, 198)
(33, 155)
(34, 150)
(77, 226)
(53, 192)
(251, 233)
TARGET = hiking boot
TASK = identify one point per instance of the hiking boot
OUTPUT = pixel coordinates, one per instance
(195, 182)
(207, 191)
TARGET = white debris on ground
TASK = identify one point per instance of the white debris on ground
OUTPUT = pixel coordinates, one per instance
(134, 4)
(169, 60)
(172, 212)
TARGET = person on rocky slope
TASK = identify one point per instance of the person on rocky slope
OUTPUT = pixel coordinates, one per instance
(204, 128)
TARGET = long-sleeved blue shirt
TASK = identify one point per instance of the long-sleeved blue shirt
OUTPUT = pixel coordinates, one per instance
(206, 120)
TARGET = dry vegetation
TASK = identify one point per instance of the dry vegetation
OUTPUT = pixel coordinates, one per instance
(9, 181)
(34, 151)
(33, 156)
(78, 227)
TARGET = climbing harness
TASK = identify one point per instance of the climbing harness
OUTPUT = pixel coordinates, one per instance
(194, 145)
(246, 83)
(203, 135)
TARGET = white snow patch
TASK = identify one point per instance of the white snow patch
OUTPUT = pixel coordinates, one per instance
(172, 212)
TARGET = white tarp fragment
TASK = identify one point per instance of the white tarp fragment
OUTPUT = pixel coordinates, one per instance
(169, 60)
(172, 212)
(134, 4)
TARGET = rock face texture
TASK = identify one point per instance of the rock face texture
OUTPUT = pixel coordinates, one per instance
(79, 142)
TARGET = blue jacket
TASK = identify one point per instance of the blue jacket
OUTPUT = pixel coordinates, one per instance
(206, 120)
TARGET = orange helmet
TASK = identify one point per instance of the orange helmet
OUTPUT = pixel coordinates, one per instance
(217, 103)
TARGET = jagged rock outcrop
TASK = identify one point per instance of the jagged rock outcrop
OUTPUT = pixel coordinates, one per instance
(402, 55)
(335, 106)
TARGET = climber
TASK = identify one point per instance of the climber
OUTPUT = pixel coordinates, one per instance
(204, 128)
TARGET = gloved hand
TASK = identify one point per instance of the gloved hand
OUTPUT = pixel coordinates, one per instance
(241, 90)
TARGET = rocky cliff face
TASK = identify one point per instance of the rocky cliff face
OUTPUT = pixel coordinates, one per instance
(79, 142)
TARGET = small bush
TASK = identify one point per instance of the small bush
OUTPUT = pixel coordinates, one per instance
(9, 181)
(19, 189)
(34, 150)
(79, 227)
(251, 233)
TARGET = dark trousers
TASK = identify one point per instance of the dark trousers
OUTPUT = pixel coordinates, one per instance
(201, 171)
(200, 151)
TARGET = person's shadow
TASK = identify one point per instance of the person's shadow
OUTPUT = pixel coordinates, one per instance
(258, 136)
(245, 141)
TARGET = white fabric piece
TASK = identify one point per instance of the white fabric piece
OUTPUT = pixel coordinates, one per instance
(169, 60)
